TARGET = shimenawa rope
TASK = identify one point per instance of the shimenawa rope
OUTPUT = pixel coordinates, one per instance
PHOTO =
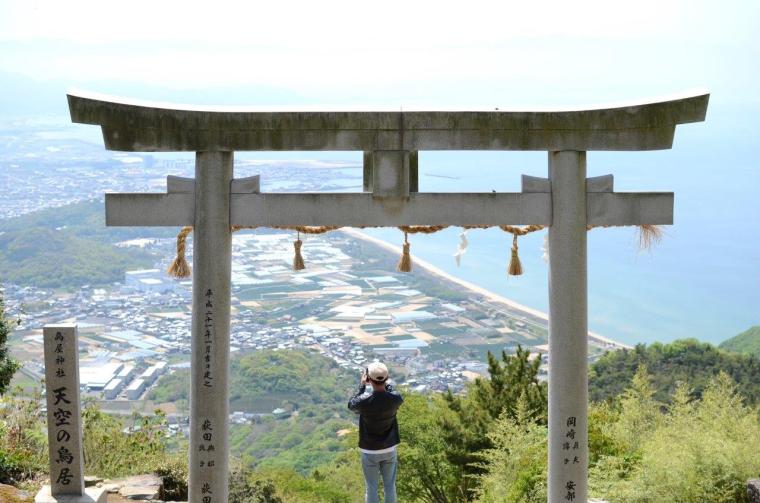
(649, 235)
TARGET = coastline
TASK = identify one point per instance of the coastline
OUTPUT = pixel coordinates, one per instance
(491, 296)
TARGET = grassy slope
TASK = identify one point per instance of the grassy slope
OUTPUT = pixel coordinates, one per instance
(746, 342)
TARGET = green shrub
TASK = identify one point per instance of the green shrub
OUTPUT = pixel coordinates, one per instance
(174, 477)
(700, 451)
(23, 439)
(515, 468)
(138, 448)
(247, 489)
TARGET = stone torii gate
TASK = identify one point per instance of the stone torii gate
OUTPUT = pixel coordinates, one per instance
(214, 202)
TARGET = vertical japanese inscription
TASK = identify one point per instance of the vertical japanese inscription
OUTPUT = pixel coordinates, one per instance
(63, 409)
(571, 451)
(206, 447)
(208, 338)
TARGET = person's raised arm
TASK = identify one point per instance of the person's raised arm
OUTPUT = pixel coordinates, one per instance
(355, 402)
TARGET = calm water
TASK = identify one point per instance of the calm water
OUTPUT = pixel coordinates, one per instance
(702, 281)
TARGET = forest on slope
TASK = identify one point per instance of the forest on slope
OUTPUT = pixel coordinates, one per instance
(70, 246)
(682, 361)
(312, 389)
(694, 434)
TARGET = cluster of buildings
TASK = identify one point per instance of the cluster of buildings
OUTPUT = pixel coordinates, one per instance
(48, 164)
(123, 380)
(343, 306)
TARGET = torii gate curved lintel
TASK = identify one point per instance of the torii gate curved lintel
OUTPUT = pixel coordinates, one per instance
(135, 126)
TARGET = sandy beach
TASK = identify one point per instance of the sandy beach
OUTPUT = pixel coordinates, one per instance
(493, 297)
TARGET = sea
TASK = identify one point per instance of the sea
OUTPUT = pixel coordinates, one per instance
(702, 280)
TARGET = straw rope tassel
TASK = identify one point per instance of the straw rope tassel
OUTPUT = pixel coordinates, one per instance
(515, 267)
(298, 264)
(649, 235)
(405, 264)
(179, 267)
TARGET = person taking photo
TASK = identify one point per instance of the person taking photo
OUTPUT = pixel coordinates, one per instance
(377, 402)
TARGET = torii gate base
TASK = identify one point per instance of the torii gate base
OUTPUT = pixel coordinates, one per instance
(567, 202)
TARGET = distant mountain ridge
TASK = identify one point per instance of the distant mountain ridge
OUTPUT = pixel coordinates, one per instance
(747, 342)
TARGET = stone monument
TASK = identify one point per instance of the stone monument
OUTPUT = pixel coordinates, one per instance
(64, 420)
(214, 202)
(753, 491)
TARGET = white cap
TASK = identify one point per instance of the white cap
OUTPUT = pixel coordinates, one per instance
(377, 371)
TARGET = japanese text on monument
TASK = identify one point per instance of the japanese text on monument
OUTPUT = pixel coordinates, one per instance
(570, 448)
(63, 413)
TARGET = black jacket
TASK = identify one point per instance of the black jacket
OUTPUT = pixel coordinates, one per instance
(378, 428)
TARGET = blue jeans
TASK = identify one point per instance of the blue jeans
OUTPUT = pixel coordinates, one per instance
(374, 466)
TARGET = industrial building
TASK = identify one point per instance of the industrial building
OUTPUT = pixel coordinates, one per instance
(136, 389)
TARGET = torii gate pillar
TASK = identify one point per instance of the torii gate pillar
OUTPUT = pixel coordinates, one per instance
(568, 328)
(210, 346)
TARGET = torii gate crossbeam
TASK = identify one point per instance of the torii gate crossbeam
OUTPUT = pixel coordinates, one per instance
(390, 140)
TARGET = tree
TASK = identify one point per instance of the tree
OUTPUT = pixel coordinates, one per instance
(640, 412)
(425, 473)
(509, 380)
(515, 469)
(693, 450)
(8, 366)
(457, 435)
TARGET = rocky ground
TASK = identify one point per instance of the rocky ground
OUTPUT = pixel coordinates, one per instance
(146, 488)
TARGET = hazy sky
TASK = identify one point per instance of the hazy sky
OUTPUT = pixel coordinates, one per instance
(412, 52)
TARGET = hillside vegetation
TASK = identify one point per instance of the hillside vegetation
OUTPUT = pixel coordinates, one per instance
(264, 380)
(486, 445)
(312, 389)
(683, 361)
(85, 219)
(68, 247)
(746, 342)
(56, 259)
